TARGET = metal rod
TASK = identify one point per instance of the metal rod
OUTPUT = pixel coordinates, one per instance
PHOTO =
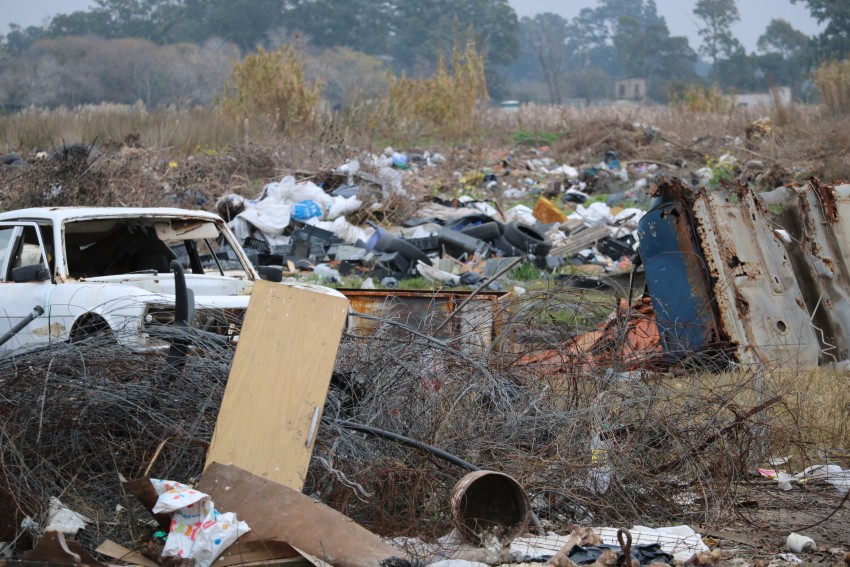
(37, 311)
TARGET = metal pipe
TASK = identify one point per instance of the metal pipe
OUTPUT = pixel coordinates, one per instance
(37, 311)
(179, 346)
(383, 433)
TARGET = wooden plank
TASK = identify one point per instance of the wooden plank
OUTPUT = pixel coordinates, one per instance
(117, 551)
(276, 391)
(280, 513)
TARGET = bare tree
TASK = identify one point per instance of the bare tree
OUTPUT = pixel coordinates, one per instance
(547, 36)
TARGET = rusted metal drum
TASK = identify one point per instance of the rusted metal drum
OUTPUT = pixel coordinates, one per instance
(488, 502)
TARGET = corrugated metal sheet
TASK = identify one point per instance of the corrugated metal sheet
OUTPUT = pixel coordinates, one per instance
(763, 277)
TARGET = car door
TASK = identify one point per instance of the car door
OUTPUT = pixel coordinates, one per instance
(22, 246)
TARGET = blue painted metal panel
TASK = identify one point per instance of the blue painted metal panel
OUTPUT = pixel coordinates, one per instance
(677, 280)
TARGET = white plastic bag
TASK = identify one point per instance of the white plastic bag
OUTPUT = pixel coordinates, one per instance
(342, 206)
(197, 530)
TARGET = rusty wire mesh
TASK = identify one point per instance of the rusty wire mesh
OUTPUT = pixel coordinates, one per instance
(592, 441)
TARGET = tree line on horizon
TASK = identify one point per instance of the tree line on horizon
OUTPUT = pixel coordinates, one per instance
(180, 52)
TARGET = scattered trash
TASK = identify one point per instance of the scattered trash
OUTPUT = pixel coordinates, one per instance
(800, 543)
(198, 531)
(62, 519)
(559, 392)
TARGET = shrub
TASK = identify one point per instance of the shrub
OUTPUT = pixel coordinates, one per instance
(833, 82)
(702, 99)
(451, 102)
(271, 85)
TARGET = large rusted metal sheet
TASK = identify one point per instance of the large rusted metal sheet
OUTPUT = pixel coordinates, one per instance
(817, 241)
(760, 306)
(764, 277)
(474, 327)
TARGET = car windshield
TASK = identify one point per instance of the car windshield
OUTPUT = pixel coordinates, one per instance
(106, 247)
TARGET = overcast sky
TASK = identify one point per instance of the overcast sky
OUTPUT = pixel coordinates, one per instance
(755, 14)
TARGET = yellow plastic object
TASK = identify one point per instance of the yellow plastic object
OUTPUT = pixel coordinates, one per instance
(546, 212)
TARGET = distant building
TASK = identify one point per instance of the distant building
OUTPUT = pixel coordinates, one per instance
(767, 100)
(630, 89)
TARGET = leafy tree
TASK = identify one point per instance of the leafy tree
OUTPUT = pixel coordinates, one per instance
(19, 39)
(834, 41)
(242, 22)
(648, 50)
(740, 71)
(781, 37)
(424, 30)
(717, 17)
(546, 36)
(360, 25)
(786, 54)
(81, 24)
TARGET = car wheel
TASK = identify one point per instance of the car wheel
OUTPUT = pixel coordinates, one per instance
(91, 326)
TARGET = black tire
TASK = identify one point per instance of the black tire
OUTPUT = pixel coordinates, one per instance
(486, 231)
(407, 250)
(507, 249)
(475, 219)
(528, 239)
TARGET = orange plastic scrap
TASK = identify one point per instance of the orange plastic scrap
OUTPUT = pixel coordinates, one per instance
(642, 337)
(571, 353)
(608, 344)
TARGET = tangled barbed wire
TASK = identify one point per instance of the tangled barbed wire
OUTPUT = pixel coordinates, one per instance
(594, 439)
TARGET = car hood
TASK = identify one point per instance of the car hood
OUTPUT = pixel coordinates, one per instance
(163, 284)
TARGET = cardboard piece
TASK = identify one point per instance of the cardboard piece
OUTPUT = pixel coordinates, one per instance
(277, 512)
(253, 551)
(281, 372)
(54, 549)
(145, 493)
(117, 551)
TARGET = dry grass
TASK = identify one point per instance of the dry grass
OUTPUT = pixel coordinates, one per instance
(833, 82)
(817, 399)
(184, 130)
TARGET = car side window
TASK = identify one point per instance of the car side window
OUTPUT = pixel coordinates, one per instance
(5, 239)
(26, 252)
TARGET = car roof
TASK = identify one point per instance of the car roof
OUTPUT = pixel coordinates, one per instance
(62, 214)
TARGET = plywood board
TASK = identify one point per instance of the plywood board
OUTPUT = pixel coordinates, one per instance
(280, 513)
(276, 391)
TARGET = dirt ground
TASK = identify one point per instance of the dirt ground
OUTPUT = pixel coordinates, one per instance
(766, 516)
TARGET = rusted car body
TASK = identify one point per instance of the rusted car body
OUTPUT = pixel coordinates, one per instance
(107, 270)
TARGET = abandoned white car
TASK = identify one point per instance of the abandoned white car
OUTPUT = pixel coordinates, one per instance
(70, 272)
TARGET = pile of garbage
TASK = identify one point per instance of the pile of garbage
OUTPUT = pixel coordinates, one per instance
(330, 227)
